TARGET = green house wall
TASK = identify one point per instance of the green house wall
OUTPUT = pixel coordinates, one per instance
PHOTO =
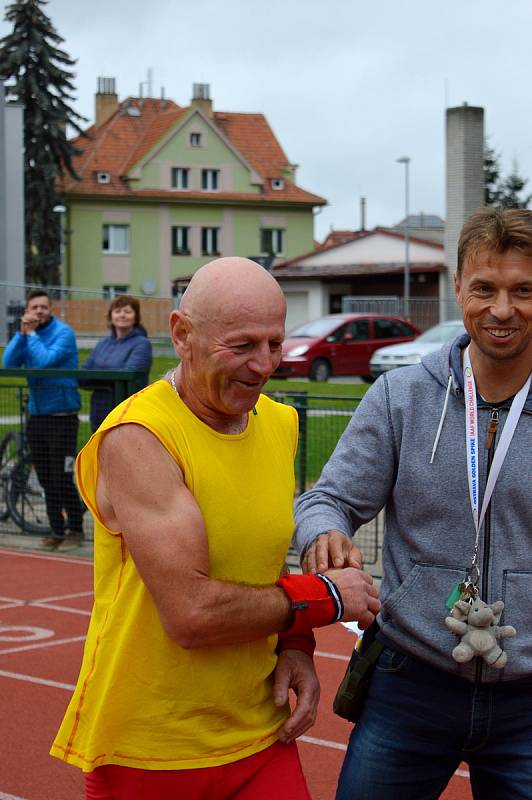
(150, 239)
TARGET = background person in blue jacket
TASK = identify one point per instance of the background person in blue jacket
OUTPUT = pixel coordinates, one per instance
(127, 347)
(45, 342)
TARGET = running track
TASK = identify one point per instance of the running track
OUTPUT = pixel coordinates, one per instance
(45, 605)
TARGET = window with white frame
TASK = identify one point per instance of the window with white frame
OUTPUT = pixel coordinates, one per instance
(180, 177)
(111, 291)
(210, 241)
(195, 139)
(272, 241)
(115, 239)
(180, 240)
(210, 180)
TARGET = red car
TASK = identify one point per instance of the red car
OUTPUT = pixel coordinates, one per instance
(340, 344)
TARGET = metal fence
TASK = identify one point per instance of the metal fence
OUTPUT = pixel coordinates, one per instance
(38, 496)
(31, 492)
(322, 420)
(85, 310)
(424, 312)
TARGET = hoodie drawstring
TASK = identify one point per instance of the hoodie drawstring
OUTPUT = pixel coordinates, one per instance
(442, 418)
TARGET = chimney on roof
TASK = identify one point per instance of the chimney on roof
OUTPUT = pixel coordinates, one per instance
(362, 213)
(201, 98)
(105, 100)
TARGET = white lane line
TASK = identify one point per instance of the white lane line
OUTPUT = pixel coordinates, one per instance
(11, 602)
(39, 604)
(46, 602)
(461, 773)
(54, 643)
(46, 557)
(62, 597)
(331, 655)
(4, 796)
(322, 742)
(64, 609)
(32, 679)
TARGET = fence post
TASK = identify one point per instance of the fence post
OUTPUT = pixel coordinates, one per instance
(301, 406)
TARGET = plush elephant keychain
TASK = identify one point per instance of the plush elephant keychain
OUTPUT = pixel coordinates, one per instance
(477, 623)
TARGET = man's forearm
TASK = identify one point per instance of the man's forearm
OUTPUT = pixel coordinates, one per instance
(219, 613)
(210, 612)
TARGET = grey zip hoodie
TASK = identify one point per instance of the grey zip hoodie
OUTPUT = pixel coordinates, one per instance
(408, 417)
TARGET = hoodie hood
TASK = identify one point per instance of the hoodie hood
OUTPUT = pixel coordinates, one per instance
(447, 363)
(445, 366)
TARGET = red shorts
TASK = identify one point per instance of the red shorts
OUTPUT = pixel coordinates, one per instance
(274, 772)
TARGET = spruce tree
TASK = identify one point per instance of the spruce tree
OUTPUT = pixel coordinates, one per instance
(499, 191)
(491, 176)
(511, 189)
(37, 74)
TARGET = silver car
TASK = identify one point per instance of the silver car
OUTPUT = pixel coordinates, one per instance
(402, 355)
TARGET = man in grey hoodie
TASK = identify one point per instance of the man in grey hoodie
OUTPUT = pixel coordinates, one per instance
(445, 447)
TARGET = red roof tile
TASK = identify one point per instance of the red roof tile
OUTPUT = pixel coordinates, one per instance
(124, 140)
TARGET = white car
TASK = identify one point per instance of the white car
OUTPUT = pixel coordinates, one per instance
(402, 355)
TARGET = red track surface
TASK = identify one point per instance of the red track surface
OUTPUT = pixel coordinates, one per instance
(45, 604)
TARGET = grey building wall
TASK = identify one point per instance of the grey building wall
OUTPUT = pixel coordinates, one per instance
(464, 188)
(11, 206)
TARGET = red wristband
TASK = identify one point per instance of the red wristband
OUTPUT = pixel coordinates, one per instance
(290, 641)
(313, 602)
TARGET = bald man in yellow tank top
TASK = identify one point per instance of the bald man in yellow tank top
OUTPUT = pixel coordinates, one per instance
(183, 690)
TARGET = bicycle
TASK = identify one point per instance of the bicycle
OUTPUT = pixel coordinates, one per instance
(22, 495)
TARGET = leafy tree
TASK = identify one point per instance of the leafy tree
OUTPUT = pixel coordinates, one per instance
(499, 191)
(38, 76)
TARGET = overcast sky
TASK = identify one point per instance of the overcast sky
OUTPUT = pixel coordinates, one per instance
(348, 86)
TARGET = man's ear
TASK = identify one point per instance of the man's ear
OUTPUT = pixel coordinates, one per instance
(457, 289)
(180, 330)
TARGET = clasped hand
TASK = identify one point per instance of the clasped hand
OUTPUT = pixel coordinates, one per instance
(335, 555)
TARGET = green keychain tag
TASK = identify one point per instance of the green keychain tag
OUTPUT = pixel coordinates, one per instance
(453, 597)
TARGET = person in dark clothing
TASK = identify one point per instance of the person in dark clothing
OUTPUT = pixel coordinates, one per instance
(45, 342)
(127, 347)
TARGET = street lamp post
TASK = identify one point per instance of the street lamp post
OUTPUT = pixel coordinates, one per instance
(61, 210)
(406, 292)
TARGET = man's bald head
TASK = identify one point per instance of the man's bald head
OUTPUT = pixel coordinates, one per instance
(226, 288)
(228, 333)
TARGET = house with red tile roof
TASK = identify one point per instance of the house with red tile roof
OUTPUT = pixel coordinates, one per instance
(367, 267)
(163, 189)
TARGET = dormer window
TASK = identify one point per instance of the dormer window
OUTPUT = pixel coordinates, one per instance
(277, 183)
(103, 177)
(195, 139)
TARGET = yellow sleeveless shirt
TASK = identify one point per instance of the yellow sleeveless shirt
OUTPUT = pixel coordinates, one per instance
(141, 700)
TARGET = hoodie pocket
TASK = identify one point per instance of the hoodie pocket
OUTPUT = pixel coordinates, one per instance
(515, 594)
(418, 607)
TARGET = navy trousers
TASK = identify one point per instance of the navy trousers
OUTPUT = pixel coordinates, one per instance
(419, 723)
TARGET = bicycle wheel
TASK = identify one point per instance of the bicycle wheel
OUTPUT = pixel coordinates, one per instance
(9, 455)
(25, 499)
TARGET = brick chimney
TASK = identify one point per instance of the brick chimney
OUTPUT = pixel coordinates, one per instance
(201, 98)
(105, 101)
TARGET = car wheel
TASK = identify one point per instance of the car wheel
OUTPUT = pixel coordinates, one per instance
(320, 370)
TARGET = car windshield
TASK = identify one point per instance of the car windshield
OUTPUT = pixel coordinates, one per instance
(442, 333)
(314, 329)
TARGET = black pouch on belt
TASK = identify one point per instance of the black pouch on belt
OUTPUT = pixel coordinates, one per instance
(353, 689)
